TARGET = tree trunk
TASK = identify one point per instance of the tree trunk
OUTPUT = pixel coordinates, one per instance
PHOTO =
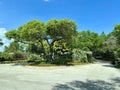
(51, 51)
(43, 50)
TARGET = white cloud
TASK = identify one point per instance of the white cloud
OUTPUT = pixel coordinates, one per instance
(4, 39)
(46, 0)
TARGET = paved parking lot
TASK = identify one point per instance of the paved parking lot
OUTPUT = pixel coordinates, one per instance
(98, 76)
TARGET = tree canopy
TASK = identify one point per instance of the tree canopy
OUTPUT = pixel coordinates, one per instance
(116, 32)
(39, 33)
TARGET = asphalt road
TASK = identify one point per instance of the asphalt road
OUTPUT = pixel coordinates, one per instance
(98, 76)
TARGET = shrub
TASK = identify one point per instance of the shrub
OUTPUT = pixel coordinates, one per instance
(90, 58)
(19, 55)
(35, 59)
(79, 55)
(82, 56)
(116, 59)
(62, 60)
(6, 57)
(117, 66)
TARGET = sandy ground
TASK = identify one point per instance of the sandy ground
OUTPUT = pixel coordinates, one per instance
(98, 76)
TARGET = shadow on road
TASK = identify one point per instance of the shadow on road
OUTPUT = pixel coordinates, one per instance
(18, 64)
(88, 85)
(117, 80)
(110, 65)
(105, 63)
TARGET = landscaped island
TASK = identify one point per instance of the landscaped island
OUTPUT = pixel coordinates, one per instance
(58, 42)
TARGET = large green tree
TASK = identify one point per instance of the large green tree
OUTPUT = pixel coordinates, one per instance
(37, 34)
(57, 30)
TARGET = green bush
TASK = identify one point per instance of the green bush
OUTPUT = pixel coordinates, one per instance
(117, 66)
(62, 60)
(79, 55)
(20, 55)
(117, 53)
(6, 57)
(90, 58)
(82, 56)
(35, 59)
(116, 59)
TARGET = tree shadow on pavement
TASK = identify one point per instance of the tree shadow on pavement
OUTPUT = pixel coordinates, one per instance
(117, 81)
(88, 85)
(112, 66)
(19, 64)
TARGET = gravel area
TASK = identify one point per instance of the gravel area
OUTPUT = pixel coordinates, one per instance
(97, 76)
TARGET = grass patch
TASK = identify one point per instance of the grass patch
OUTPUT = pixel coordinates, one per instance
(43, 63)
(78, 63)
(48, 64)
(16, 61)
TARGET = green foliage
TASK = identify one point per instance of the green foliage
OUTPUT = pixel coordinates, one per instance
(90, 57)
(1, 43)
(63, 59)
(79, 55)
(35, 59)
(12, 34)
(36, 32)
(32, 48)
(118, 66)
(56, 39)
(32, 31)
(116, 32)
(57, 30)
(6, 57)
(13, 47)
(110, 44)
(116, 59)
(117, 53)
(82, 56)
(61, 29)
(12, 56)
(19, 55)
(90, 41)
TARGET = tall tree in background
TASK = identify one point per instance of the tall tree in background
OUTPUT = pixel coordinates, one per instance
(91, 41)
(88, 40)
(109, 46)
(116, 32)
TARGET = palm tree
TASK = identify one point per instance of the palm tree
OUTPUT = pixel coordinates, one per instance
(1, 43)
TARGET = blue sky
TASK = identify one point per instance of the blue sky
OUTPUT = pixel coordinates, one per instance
(95, 15)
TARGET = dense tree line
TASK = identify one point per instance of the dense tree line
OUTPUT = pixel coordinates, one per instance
(60, 40)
